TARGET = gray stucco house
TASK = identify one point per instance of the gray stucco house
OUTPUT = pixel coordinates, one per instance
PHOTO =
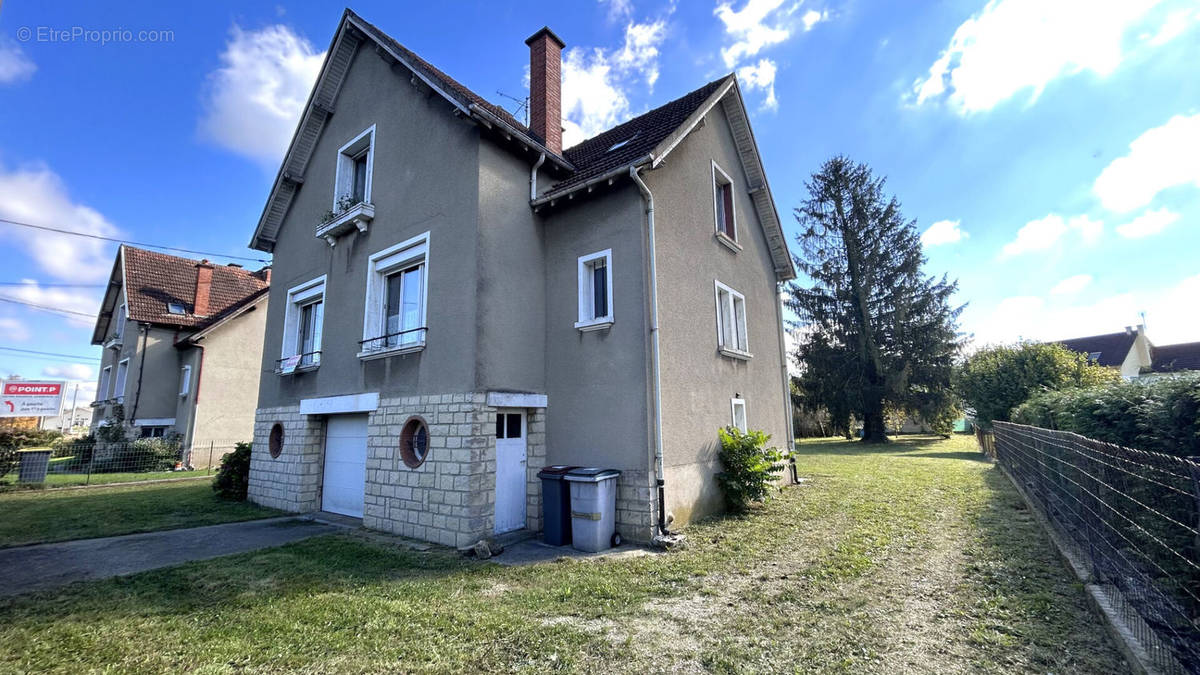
(182, 344)
(459, 301)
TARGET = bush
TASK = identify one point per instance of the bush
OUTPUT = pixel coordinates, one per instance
(750, 468)
(233, 478)
(28, 438)
(140, 456)
(1161, 415)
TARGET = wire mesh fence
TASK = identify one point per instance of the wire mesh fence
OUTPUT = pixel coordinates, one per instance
(91, 462)
(1132, 517)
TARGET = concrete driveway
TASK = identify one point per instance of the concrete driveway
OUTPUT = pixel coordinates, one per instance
(43, 566)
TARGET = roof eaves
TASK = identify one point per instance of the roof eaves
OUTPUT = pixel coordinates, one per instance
(245, 305)
(611, 174)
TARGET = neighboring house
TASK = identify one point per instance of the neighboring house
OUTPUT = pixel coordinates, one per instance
(1135, 355)
(459, 301)
(182, 346)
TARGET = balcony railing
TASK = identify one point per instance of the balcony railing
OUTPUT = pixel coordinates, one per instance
(400, 342)
(298, 363)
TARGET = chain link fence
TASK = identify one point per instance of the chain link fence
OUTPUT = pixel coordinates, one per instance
(1133, 519)
(94, 462)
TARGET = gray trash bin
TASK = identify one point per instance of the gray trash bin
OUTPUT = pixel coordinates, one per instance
(33, 466)
(593, 508)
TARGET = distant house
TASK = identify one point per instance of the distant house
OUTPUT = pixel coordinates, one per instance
(459, 300)
(182, 345)
(1135, 355)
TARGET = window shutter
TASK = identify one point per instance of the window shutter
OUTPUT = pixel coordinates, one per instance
(727, 201)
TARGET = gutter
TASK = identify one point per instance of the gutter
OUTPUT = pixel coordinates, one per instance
(660, 479)
(789, 409)
(629, 168)
(533, 176)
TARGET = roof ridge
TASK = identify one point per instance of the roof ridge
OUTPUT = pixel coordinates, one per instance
(651, 111)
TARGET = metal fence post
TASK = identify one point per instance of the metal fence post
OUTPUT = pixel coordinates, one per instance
(91, 460)
(211, 444)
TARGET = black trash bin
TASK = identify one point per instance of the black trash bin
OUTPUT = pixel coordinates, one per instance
(556, 505)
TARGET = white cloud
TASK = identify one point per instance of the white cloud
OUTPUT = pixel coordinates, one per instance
(1161, 158)
(812, 17)
(13, 330)
(1149, 223)
(1044, 233)
(84, 304)
(594, 81)
(15, 66)
(1060, 317)
(254, 100)
(73, 371)
(750, 30)
(1176, 24)
(943, 232)
(1071, 285)
(1012, 46)
(38, 196)
(618, 9)
(761, 76)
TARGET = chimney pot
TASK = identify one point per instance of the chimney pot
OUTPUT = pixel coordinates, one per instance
(545, 88)
(204, 273)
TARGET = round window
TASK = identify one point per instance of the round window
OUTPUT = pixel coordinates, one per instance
(275, 442)
(414, 442)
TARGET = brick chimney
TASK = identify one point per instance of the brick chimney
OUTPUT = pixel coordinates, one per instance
(264, 274)
(204, 272)
(545, 87)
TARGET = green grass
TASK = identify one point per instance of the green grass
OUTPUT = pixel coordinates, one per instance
(62, 474)
(34, 516)
(917, 557)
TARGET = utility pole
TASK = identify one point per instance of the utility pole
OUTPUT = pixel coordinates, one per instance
(74, 400)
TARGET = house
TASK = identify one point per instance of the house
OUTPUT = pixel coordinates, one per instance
(182, 346)
(1135, 355)
(459, 301)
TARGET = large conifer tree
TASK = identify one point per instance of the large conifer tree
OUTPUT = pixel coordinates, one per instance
(876, 332)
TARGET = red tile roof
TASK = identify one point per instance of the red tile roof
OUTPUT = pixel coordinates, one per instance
(155, 280)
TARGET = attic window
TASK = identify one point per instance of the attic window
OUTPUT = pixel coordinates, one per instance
(620, 144)
(176, 308)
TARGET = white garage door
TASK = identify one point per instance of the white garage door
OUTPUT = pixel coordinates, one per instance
(345, 465)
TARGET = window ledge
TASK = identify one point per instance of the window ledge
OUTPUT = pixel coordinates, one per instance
(356, 217)
(391, 351)
(113, 342)
(728, 242)
(735, 353)
(295, 371)
(594, 324)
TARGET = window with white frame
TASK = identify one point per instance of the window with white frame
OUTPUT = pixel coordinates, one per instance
(119, 388)
(738, 409)
(185, 380)
(731, 322)
(102, 391)
(354, 171)
(595, 291)
(723, 207)
(397, 288)
(303, 320)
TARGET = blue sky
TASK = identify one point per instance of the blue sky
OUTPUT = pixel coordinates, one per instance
(1050, 151)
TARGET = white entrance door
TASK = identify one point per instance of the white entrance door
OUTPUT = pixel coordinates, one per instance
(510, 471)
(345, 465)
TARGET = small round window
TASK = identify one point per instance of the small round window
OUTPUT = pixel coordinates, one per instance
(414, 442)
(275, 442)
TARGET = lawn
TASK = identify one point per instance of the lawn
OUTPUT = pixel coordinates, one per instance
(62, 474)
(33, 516)
(915, 558)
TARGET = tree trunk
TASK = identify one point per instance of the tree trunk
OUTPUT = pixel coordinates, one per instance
(874, 430)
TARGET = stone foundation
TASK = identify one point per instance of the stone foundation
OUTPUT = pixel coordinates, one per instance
(292, 481)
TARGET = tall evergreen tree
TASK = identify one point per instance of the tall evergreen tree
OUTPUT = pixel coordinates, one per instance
(876, 332)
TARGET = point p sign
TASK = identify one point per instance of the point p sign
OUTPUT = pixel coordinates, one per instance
(26, 398)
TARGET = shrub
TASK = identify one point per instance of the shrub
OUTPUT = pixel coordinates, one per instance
(1159, 416)
(233, 478)
(140, 456)
(28, 438)
(750, 467)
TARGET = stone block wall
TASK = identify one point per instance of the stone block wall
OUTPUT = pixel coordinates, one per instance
(292, 481)
(636, 504)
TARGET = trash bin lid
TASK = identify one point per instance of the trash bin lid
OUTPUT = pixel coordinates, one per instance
(556, 472)
(591, 474)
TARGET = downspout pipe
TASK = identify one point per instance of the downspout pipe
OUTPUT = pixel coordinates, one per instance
(789, 409)
(656, 377)
(533, 176)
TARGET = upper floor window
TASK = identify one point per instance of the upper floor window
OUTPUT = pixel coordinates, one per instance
(122, 373)
(185, 380)
(102, 393)
(394, 317)
(119, 318)
(595, 291)
(731, 322)
(738, 408)
(303, 319)
(354, 171)
(723, 206)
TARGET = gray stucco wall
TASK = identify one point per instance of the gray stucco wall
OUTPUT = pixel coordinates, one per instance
(697, 381)
(158, 373)
(414, 190)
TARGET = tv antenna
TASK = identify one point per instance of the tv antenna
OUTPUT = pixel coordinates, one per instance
(522, 111)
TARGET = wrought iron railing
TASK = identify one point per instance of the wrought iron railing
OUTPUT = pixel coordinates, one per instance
(297, 363)
(413, 337)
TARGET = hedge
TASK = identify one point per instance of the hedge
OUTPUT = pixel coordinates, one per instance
(1161, 415)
